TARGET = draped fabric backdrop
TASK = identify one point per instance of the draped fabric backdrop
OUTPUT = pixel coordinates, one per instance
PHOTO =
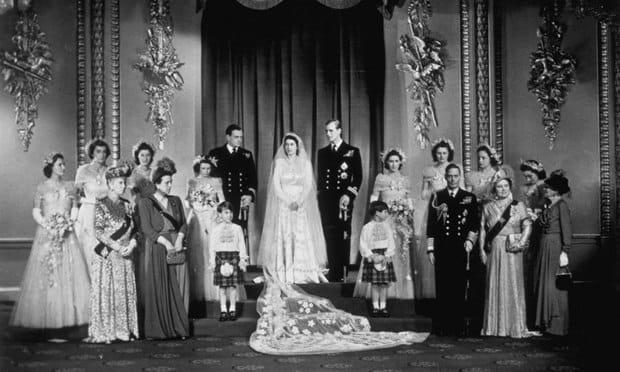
(291, 68)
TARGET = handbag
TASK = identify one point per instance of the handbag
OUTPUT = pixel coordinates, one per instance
(563, 279)
(512, 243)
(175, 258)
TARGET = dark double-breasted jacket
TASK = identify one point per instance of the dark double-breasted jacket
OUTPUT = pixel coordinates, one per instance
(452, 220)
(238, 173)
(338, 173)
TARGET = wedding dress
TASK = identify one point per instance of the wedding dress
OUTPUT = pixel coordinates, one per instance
(292, 244)
(293, 322)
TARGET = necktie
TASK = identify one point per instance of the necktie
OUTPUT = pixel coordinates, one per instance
(333, 147)
(234, 150)
(452, 194)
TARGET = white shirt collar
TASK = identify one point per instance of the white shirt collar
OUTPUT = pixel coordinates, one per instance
(453, 192)
(230, 148)
(337, 143)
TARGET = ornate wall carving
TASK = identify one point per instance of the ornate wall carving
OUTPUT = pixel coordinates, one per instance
(604, 114)
(465, 84)
(115, 75)
(97, 13)
(81, 80)
(482, 70)
(499, 97)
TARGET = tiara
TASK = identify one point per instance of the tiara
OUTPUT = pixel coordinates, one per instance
(119, 169)
(401, 153)
(49, 159)
(141, 142)
(443, 140)
(198, 159)
(535, 165)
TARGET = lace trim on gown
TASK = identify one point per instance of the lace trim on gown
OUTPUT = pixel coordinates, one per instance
(293, 322)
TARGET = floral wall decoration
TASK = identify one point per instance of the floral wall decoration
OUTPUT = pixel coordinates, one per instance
(160, 63)
(552, 69)
(422, 60)
(26, 72)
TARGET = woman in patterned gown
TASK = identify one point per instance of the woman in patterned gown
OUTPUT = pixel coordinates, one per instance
(204, 193)
(433, 180)
(501, 249)
(113, 313)
(292, 246)
(90, 180)
(555, 241)
(393, 188)
(166, 285)
(55, 286)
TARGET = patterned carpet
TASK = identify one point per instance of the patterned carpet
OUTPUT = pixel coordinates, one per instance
(226, 354)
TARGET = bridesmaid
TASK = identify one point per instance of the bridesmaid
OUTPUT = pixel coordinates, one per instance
(532, 194)
(140, 178)
(433, 180)
(113, 314)
(55, 286)
(166, 290)
(505, 228)
(204, 193)
(490, 169)
(140, 186)
(90, 180)
(555, 242)
(393, 188)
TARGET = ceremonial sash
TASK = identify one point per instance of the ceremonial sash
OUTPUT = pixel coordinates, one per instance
(499, 225)
(115, 236)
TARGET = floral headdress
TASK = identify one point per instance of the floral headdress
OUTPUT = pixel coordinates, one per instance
(141, 142)
(49, 159)
(443, 140)
(491, 150)
(533, 164)
(401, 153)
(198, 159)
(119, 169)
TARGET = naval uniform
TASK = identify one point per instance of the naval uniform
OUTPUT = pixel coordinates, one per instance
(339, 173)
(452, 220)
(237, 170)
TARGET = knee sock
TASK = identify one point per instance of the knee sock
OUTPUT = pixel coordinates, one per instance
(233, 298)
(223, 300)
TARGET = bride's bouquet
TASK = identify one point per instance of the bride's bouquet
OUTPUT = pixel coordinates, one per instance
(57, 225)
(200, 198)
(401, 210)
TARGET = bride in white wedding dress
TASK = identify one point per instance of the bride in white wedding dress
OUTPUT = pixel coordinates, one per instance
(292, 246)
(292, 250)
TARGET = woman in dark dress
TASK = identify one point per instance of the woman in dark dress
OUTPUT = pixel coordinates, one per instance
(555, 241)
(166, 288)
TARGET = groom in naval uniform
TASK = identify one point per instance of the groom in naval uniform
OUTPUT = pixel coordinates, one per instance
(235, 166)
(339, 179)
(452, 231)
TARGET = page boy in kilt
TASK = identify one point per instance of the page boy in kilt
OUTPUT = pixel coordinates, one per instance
(228, 257)
(377, 248)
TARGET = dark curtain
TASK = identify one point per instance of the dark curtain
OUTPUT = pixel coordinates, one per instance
(291, 68)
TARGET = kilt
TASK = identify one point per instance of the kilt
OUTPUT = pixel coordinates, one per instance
(374, 276)
(227, 281)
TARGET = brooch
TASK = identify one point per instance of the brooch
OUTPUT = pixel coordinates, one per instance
(247, 155)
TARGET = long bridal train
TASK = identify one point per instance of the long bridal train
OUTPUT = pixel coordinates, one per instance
(293, 322)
